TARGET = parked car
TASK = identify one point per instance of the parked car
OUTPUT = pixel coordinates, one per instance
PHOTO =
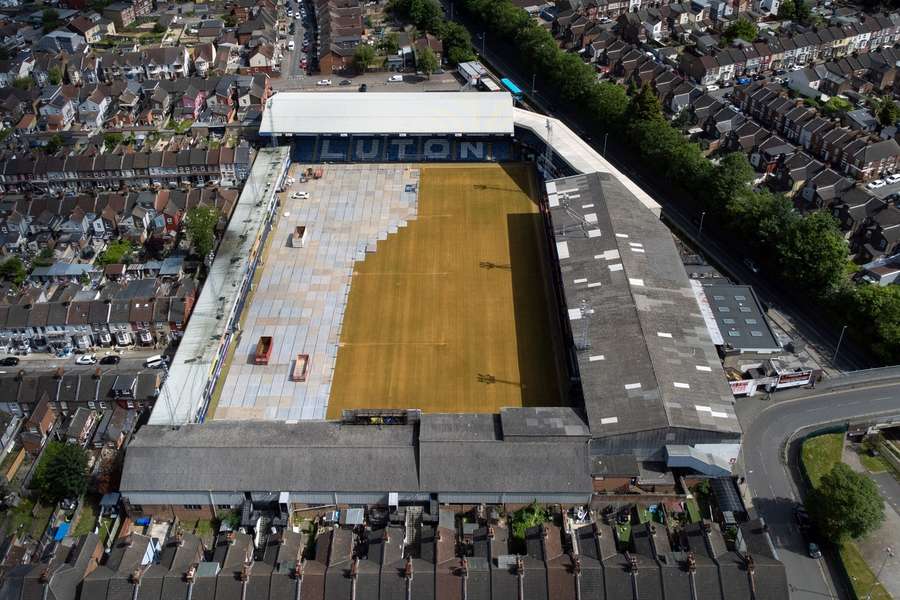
(363, 88)
(300, 196)
(344, 82)
(395, 78)
(813, 550)
(876, 184)
(86, 359)
(892, 179)
(110, 360)
(9, 361)
(801, 517)
(323, 82)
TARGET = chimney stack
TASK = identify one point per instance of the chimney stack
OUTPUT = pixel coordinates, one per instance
(298, 569)
(576, 565)
(189, 576)
(464, 567)
(691, 563)
(408, 569)
(245, 571)
(520, 566)
(490, 532)
(231, 538)
(45, 575)
(136, 576)
(354, 568)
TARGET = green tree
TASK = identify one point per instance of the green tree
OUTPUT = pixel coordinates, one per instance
(362, 57)
(802, 12)
(54, 144)
(159, 28)
(62, 472)
(876, 318)
(813, 253)
(111, 140)
(644, 106)
(44, 258)
(743, 29)
(50, 19)
(116, 253)
(23, 83)
(426, 61)
(457, 43)
(390, 43)
(845, 505)
(230, 20)
(525, 518)
(426, 14)
(787, 11)
(13, 270)
(201, 228)
(55, 74)
(836, 106)
(887, 111)
(730, 176)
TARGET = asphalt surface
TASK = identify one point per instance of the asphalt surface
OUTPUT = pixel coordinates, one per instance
(824, 338)
(292, 58)
(43, 362)
(776, 486)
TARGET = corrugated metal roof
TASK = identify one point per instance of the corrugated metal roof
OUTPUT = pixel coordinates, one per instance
(316, 113)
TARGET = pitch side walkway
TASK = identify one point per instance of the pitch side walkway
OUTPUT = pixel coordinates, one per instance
(302, 294)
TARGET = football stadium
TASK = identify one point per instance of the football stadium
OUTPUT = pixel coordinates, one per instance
(432, 297)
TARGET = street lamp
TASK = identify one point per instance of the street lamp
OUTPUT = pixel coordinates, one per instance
(483, 38)
(838, 348)
(533, 81)
(702, 216)
(605, 137)
(888, 553)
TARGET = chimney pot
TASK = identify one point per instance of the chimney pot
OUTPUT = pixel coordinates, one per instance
(189, 576)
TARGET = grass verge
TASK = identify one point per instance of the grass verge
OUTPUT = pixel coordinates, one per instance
(818, 455)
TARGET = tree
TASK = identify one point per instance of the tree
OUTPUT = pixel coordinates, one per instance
(230, 20)
(457, 43)
(787, 10)
(44, 258)
(54, 144)
(390, 43)
(159, 28)
(887, 112)
(23, 83)
(836, 106)
(13, 270)
(62, 472)
(55, 75)
(802, 12)
(201, 228)
(116, 253)
(813, 253)
(644, 106)
(50, 19)
(426, 14)
(362, 57)
(111, 140)
(731, 175)
(426, 61)
(742, 28)
(845, 505)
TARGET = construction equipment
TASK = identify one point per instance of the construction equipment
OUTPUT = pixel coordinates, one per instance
(301, 368)
(263, 350)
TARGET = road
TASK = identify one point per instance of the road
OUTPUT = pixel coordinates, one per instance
(776, 487)
(290, 68)
(821, 338)
(42, 362)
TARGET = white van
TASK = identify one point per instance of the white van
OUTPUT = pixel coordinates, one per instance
(155, 361)
(395, 78)
(291, 45)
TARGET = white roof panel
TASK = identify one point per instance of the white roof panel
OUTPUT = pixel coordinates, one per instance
(314, 113)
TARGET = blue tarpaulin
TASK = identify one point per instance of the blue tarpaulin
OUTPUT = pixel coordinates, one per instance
(61, 531)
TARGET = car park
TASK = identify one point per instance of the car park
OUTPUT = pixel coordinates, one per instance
(110, 360)
(86, 359)
(876, 184)
(9, 361)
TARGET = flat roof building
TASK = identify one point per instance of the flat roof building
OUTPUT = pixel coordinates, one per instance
(738, 323)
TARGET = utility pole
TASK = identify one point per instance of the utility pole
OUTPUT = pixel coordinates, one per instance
(605, 137)
(838, 348)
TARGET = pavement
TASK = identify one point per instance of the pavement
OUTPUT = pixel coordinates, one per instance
(775, 487)
(873, 547)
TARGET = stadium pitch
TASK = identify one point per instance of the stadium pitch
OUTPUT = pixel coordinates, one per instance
(454, 312)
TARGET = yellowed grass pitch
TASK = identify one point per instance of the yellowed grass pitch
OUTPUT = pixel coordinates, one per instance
(453, 313)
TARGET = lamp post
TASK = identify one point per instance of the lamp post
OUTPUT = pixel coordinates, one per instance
(702, 216)
(888, 553)
(483, 38)
(840, 339)
(533, 82)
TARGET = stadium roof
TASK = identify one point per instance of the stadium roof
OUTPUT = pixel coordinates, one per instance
(447, 113)
(645, 357)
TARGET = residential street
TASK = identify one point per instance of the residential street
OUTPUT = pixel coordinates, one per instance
(776, 488)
